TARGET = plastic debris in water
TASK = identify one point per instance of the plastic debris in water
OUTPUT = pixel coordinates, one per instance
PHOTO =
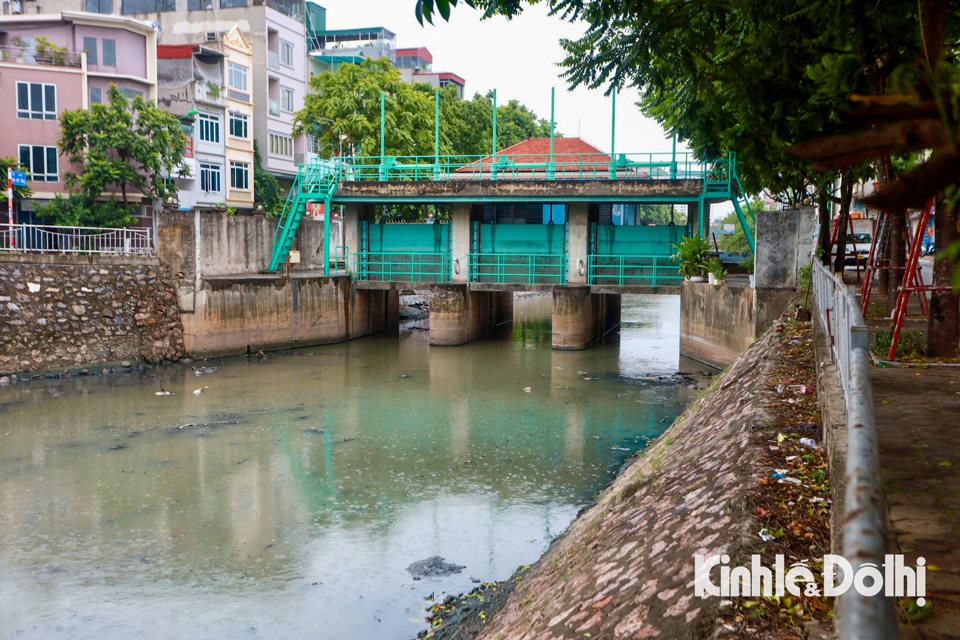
(527, 389)
(197, 392)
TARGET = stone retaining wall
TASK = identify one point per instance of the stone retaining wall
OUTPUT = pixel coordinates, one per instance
(624, 569)
(69, 311)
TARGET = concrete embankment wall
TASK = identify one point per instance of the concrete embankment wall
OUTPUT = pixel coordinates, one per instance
(625, 567)
(229, 306)
(70, 311)
(716, 322)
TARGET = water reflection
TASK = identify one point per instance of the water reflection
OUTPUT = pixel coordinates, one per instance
(288, 497)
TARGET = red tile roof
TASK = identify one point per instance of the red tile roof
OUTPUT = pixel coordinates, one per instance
(570, 155)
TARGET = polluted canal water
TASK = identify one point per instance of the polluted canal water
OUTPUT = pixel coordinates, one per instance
(288, 498)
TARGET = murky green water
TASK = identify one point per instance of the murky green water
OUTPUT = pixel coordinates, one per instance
(287, 499)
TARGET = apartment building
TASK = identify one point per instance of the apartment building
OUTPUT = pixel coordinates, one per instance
(276, 32)
(207, 87)
(56, 62)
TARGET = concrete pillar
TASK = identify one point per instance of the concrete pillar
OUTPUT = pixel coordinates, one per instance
(373, 311)
(460, 239)
(573, 317)
(578, 238)
(693, 218)
(454, 315)
(353, 214)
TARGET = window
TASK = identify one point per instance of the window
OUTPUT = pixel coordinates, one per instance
(132, 7)
(199, 5)
(209, 177)
(130, 94)
(109, 53)
(36, 101)
(209, 127)
(238, 125)
(228, 4)
(237, 76)
(286, 99)
(90, 46)
(281, 145)
(98, 6)
(96, 95)
(286, 53)
(239, 175)
(41, 162)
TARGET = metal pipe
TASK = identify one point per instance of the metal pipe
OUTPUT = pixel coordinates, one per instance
(383, 152)
(436, 128)
(553, 92)
(494, 126)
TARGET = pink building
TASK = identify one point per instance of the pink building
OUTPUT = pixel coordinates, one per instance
(58, 62)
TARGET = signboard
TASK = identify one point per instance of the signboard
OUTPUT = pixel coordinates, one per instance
(18, 178)
(188, 147)
(729, 229)
(315, 210)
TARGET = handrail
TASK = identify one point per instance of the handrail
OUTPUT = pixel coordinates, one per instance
(518, 268)
(865, 519)
(401, 266)
(625, 269)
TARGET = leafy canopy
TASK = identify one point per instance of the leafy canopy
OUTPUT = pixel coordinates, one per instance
(122, 145)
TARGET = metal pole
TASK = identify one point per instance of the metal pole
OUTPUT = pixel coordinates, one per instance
(326, 236)
(613, 136)
(494, 125)
(673, 161)
(383, 151)
(553, 92)
(13, 242)
(436, 127)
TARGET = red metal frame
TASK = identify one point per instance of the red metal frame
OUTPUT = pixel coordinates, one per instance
(911, 282)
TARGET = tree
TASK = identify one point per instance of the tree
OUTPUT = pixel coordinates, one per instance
(130, 146)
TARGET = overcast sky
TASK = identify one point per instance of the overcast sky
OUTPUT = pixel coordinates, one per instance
(518, 58)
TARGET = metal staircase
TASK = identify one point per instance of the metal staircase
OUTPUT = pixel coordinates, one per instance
(316, 180)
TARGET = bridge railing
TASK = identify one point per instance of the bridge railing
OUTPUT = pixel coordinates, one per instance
(632, 270)
(518, 268)
(542, 166)
(401, 267)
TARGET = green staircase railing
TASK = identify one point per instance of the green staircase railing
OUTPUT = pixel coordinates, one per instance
(316, 180)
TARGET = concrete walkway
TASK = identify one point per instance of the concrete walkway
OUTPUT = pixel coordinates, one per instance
(918, 417)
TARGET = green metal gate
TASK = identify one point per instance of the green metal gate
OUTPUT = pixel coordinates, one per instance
(404, 252)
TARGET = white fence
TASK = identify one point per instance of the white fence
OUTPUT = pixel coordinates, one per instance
(28, 238)
(864, 518)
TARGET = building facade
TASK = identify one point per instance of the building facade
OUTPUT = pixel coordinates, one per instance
(65, 61)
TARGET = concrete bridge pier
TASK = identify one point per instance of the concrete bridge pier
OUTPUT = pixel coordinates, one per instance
(458, 315)
(581, 318)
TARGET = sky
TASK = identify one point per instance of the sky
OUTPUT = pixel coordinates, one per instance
(519, 58)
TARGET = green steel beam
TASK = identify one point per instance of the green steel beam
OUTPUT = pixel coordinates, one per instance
(613, 136)
(745, 226)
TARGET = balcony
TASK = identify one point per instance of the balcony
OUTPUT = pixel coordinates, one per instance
(273, 60)
(25, 55)
(274, 108)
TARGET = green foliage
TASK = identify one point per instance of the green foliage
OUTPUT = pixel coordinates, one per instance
(76, 210)
(738, 241)
(805, 278)
(48, 52)
(266, 189)
(692, 253)
(343, 110)
(122, 144)
(661, 214)
(911, 345)
(746, 265)
(713, 266)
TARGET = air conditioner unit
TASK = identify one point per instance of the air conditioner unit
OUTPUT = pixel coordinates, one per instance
(213, 36)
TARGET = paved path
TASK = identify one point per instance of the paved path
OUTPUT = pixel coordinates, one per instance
(918, 417)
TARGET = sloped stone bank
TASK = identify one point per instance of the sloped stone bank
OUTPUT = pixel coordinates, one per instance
(70, 311)
(625, 567)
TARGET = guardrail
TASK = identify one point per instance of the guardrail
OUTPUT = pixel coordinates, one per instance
(518, 268)
(865, 518)
(401, 267)
(632, 270)
(27, 238)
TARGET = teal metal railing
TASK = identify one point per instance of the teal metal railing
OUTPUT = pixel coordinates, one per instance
(401, 267)
(570, 166)
(632, 270)
(341, 260)
(518, 268)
